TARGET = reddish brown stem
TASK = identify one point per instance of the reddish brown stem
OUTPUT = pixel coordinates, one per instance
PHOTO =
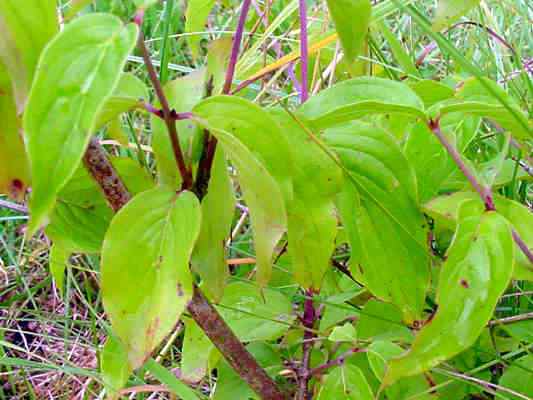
(170, 121)
(96, 161)
(205, 315)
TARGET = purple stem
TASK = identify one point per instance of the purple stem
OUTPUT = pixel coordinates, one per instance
(523, 246)
(309, 319)
(236, 46)
(484, 192)
(336, 362)
(304, 52)
(433, 45)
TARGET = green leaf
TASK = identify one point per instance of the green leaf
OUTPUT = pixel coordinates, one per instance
(345, 382)
(58, 261)
(356, 98)
(14, 166)
(494, 112)
(352, 19)
(477, 271)
(312, 223)
(445, 209)
(114, 366)
(81, 216)
(195, 352)
(255, 315)
(430, 160)
(78, 71)
(218, 209)
(449, 11)
(128, 95)
(522, 330)
(382, 321)
(182, 94)
(379, 210)
(344, 333)
(195, 20)
(432, 92)
(253, 141)
(25, 33)
(379, 353)
(144, 299)
(517, 377)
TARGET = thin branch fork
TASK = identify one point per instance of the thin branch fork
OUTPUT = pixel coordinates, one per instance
(170, 121)
(484, 192)
(321, 369)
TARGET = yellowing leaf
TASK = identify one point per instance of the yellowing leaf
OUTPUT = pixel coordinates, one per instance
(145, 292)
(477, 271)
(14, 166)
(77, 73)
(25, 28)
(128, 95)
(252, 140)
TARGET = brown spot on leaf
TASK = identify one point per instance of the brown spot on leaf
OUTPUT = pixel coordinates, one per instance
(180, 290)
(16, 189)
(465, 284)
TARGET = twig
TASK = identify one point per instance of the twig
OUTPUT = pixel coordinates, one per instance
(186, 174)
(13, 206)
(483, 383)
(309, 320)
(144, 389)
(433, 45)
(510, 320)
(336, 362)
(204, 314)
(484, 192)
(523, 246)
